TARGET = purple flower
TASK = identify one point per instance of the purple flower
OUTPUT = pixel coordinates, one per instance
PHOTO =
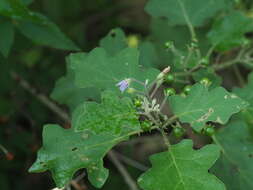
(123, 85)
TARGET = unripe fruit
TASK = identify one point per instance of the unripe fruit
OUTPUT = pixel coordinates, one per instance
(209, 130)
(137, 103)
(169, 45)
(146, 126)
(170, 78)
(204, 61)
(187, 89)
(179, 132)
(133, 41)
(170, 91)
(206, 81)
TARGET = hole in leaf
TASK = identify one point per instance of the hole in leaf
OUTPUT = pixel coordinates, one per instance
(251, 155)
(74, 149)
(113, 34)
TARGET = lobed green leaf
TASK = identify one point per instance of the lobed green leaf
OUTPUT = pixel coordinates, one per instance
(96, 129)
(35, 26)
(112, 116)
(180, 12)
(246, 92)
(229, 32)
(109, 69)
(182, 168)
(66, 92)
(235, 167)
(114, 41)
(201, 106)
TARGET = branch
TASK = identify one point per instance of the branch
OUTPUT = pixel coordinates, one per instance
(41, 97)
(131, 162)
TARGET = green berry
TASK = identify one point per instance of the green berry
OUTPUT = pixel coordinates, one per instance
(179, 132)
(170, 78)
(209, 130)
(187, 89)
(137, 103)
(170, 91)
(146, 126)
(205, 81)
(204, 61)
(169, 45)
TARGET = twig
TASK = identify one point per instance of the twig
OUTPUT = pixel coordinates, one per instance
(239, 76)
(41, 97)
(131, 162)
(128, 179)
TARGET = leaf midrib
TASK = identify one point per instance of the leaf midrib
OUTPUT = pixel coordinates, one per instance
(176, 166)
